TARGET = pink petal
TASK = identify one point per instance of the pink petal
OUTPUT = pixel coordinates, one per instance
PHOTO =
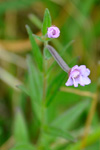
(75, 67)
(84, 71)
(75, 82)
(84, 81)
(87, 80)
(69, 82)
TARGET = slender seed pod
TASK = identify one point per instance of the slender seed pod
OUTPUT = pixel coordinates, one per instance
(58, 58)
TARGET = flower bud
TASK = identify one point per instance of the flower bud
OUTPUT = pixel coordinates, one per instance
(53, 32)
(58, 58)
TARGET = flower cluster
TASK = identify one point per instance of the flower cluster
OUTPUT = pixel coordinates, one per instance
(77, 74)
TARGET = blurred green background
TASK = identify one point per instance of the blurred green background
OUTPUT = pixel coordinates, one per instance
(79, 23)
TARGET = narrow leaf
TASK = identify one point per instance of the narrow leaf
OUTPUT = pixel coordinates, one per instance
(23, 146)
(54, 86)
(23, 89)
(20, 129)
(35, 85)
(56, 132)
(46, 21)
(38, 37)
(35, 20)
(67, 119)
(35, 49)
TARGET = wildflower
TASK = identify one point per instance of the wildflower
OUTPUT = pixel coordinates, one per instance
(53, 32)
(78, 75)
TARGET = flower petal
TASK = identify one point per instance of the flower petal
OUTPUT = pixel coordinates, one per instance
(84, 71)
(69, 82)
(73, 68)
(75, 82)
(84, 81)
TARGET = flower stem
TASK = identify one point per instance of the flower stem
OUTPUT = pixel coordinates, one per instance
(43, 109)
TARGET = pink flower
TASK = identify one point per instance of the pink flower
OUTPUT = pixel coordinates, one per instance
(78, 75)
(53, 32)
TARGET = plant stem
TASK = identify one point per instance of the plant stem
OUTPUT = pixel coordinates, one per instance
(89, 120)
(43, 109)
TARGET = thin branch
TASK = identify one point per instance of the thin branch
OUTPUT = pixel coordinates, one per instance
(18, 46)
(9, 79)
(89, 120)
(77, 92)
(12, 58)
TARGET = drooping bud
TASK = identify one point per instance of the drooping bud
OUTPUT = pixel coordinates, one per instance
(58, 58)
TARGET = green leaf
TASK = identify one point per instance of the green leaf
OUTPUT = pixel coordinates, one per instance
(20, 129)
(35, 87)
(46, 21)
(38, 37)
(68, 118)
(23, 89)
(54, 87)
(56, 83)
(47, 54)
(35, 49)
(35, 20)
(56, 132)
(23, 146)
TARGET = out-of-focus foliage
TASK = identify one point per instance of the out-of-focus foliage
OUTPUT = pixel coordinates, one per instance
(70, 112)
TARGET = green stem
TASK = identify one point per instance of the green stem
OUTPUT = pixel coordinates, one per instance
(43, 109)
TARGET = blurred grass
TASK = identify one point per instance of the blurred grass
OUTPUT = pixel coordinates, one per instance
(79, 21)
